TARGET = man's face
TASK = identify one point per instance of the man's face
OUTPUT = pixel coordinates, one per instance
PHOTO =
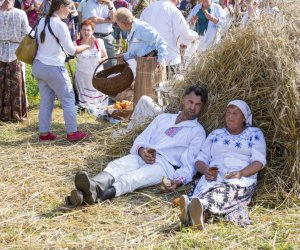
(206, 3)
(124, 26)
(192, 105)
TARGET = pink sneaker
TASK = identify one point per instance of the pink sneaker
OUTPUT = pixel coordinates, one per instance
(77, 136)
(48, 137)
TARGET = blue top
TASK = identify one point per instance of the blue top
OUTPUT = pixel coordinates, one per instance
(143, 39)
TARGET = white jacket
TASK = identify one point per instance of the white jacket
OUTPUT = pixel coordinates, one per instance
(212, 35)
(177, 143)
(171, 25)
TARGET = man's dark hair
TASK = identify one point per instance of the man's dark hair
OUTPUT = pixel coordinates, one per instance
(199, 91)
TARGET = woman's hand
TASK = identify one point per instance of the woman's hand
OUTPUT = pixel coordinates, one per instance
(147, 157)
(121, 58)
(209, 176)
(233, 175)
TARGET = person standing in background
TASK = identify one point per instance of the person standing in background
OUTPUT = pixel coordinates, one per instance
(82, 11)
(101, 12)
(172, 27)
(44, 7)
(31, 7)
(118, 33)
(208, 19)
(89, 98)
(50, 71)
(12, 85)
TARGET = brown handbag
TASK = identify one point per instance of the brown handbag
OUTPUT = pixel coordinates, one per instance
(27, 49)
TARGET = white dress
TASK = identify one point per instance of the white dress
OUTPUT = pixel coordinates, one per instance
(231, 153)
(87, 61)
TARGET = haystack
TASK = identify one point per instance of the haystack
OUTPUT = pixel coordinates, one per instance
(259, 64)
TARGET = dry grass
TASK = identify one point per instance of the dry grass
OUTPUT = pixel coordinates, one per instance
(37, 176)
(258, 64)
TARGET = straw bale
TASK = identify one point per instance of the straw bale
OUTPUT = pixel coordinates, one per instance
(259, 64)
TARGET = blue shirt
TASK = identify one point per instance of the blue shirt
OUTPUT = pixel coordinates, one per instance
(142, 39)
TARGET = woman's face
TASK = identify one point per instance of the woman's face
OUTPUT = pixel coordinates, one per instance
(86, 31)
(234, 119)
(65, 10)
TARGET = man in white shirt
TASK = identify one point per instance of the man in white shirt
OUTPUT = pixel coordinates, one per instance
(101, 12)
(171, 25)
(168, 143)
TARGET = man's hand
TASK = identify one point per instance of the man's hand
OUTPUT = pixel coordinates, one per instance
(146, 156)
(174, 184)
(209, 176)
(211, 17)
(233, 175)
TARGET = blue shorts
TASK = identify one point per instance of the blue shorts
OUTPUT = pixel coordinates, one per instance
(118, 33)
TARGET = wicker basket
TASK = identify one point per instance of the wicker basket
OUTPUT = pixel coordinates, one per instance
(122, 114)
(116, 84)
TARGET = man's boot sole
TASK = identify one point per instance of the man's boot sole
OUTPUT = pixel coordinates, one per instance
(76, 198)
(83, 184)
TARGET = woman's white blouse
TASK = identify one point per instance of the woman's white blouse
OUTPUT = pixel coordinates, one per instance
(13, 27)
(232, 153)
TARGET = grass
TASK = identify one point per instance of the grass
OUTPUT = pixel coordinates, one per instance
(35, 178)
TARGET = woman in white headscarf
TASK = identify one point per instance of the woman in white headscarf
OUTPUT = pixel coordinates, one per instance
(239, 153)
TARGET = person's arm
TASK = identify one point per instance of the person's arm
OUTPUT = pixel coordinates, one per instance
(181, 30)
(42, 7)
(205, 155)
(257, 159)
(73, 10)
(185, 173)
(203, 168)
(25, 25)
(81, 48)
(143, 140)
(217, 16)
(248, 171)
(111, 9)
(102, 50)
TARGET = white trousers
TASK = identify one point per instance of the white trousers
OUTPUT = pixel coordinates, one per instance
(144, 110)
(131, 172)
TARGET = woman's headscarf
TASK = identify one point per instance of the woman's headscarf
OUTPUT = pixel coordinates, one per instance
(243, 106)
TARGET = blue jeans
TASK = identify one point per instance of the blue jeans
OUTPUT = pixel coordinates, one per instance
(54, 81)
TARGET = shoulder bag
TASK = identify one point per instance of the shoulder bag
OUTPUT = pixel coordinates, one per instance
(27, 49)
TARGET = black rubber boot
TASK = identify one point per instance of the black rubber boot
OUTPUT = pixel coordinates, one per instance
(104, 180)
(108, 193)
(92, 188)
(75, 199)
